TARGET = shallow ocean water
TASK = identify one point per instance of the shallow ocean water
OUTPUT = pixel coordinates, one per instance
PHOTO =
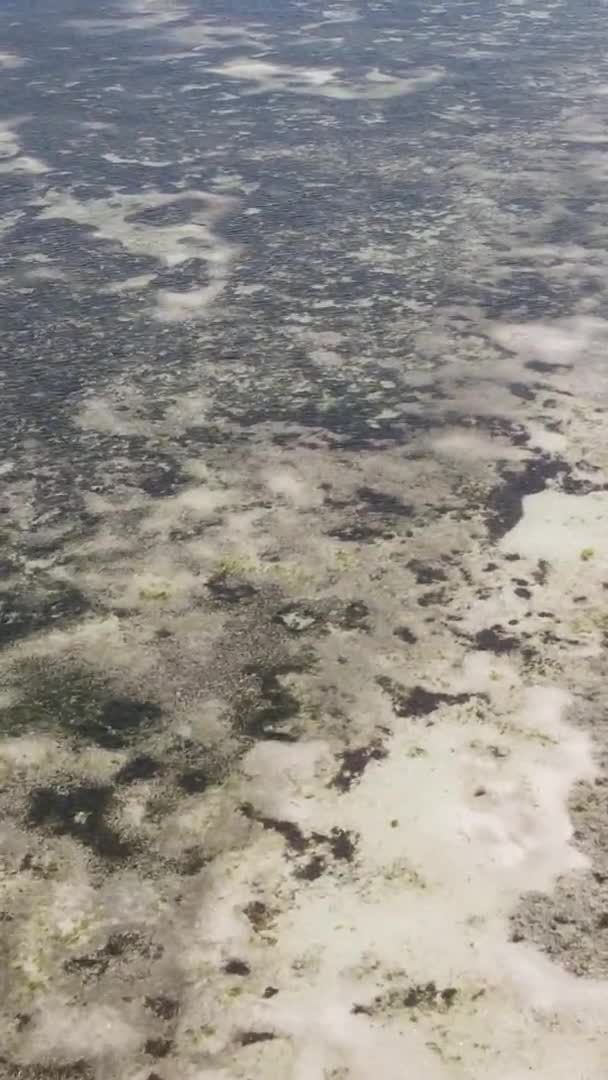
(303, 507)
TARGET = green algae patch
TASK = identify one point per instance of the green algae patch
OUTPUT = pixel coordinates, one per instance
(154, 592)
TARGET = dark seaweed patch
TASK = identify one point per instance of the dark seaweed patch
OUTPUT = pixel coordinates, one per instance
(158, 1048)
(291, 833)
(192, 861)
(163, 1006)
(247, 1038)
(95, 964)
(237, 967)
(354, 763)
(352, 616)
(541, 573)
(298, 617)
(264, 712)
(522, 390)
(545, 368)
(360, 532)
(258, 914)
(193, 781)
(117, 945)
(574, 485)
(313, 869)
(501, 426)
(142, 767)
(229, 590)
(425, 574)
(77, 699)
(161, 478)
(405, 634)
(417, 997)
(495, 639)
(77, 1070)
(78, 812)
(505, 500)
(341, 844)
(352, 418)
(26, 612)
(419, 701)
(434, 596)
(424, 997)
(124, 941)
(380, 502)
(117, 720)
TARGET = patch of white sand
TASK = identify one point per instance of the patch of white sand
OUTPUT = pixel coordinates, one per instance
(562, 528)
(562, 341)
(449, 838)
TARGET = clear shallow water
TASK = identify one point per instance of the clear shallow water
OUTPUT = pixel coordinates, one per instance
(303, 515)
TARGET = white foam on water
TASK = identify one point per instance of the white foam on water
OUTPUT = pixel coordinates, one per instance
(12, 158)
(115, 159)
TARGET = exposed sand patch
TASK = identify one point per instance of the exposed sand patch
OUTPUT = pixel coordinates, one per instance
(325, 82)
(433, 878)
(565, 529)
(561, 342)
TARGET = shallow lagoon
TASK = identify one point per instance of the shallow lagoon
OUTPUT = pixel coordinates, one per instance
(303, 608)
